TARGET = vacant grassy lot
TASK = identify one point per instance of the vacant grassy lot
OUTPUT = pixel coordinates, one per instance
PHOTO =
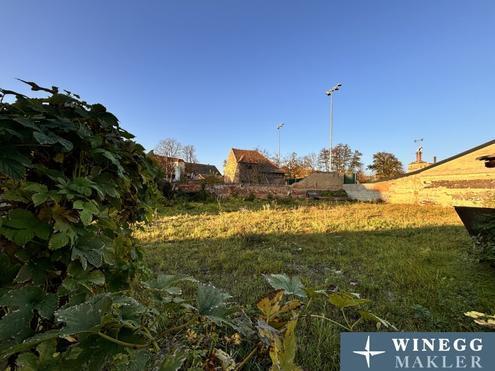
(414, 263)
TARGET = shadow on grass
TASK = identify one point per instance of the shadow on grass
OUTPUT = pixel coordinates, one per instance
(236, 204)
(420, 279)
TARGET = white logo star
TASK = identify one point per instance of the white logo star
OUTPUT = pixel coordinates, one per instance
(367, 353)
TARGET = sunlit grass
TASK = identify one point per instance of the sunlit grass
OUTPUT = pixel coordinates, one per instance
(413, 262)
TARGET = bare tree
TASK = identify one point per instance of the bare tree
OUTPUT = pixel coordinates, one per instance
(268, 155)
(324, 159)
(169, 147)
(344, 159)
(310, 161)
(189, 153)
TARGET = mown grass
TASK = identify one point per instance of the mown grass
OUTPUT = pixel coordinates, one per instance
(413, 262)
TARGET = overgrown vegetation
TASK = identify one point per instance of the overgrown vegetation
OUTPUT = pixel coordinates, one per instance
(484, 244)
(414, 263)
(73, 182)
(74, 292)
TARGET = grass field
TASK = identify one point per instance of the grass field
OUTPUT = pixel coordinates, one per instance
(414, 263)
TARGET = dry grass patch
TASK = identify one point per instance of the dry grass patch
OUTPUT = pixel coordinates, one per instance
(413, 262)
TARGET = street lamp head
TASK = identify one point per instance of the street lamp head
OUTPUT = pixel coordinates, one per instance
(334, 89)
(280, 126)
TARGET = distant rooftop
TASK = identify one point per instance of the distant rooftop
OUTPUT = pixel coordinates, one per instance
(249, 156)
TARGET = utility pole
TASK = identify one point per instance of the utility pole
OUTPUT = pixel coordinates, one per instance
(279, 126)
(329, 93)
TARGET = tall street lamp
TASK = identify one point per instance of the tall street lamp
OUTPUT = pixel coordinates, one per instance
(279, 126)
(329, 93)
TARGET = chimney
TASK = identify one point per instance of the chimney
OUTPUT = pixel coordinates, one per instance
(419, 156)
(434, 159)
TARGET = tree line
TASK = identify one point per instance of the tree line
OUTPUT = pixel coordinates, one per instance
(345, 160)
(170, 147)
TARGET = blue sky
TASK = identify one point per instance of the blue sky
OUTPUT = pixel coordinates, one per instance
(223, 73)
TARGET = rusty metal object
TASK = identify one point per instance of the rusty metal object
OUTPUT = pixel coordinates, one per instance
(476, 219)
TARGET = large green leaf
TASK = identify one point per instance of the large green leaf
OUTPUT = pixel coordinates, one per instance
(24, 297)
(16, 326)
(89, 250)
(92, 353)
(29, 343)
(77, 277)
(23, 301)
(113, 159)
(58, 240)
(168, 283)
(87, 210)
(12, 162)
(85, 317)
(21, 226)
(291, 286)
(51, 138)
(47, 306)
(212, 304)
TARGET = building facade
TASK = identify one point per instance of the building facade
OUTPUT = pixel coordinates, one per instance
(251, 167)
(460, 180)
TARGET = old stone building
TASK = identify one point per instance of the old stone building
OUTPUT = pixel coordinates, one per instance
(251, 167)
(460, 180)
(177, 170)
(195, 171)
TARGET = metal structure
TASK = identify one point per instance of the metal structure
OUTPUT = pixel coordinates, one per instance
(489, 160)
(480, 221)
(419, 151)
(329, 93)
(279, 126)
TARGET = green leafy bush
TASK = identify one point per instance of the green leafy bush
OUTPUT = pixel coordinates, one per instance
(73, 183)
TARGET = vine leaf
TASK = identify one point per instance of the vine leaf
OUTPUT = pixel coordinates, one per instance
(85, 317)
(173, 362)
(21, 226)
(212, 304)
(291, 286)
(344, 300)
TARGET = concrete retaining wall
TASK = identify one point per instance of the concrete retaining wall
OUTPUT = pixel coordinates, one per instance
(361, 192)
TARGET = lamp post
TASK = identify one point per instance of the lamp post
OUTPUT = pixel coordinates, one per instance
(279, 126)
(329, 93)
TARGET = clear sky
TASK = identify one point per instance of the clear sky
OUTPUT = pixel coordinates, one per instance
(223, 73)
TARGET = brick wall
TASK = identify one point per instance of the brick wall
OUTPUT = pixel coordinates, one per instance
(241, 190)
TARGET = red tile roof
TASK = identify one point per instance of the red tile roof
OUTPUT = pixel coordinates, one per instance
(201, 169)
(161, 158)
(248, 156)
